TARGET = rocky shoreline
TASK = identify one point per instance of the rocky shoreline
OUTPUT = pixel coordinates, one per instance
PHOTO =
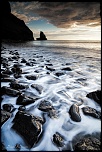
(30, 126)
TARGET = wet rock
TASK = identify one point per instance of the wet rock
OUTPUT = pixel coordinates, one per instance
(46, 106)
(50, 68)
(4, 75)
(49, 64)
(17, 86)
(4, 116)
(91, 112)
(24, 100)
(10, 59)
(15, 57)
(39, 88)
(17, 75)
(88, 143)
(22, 108)
(58, 139)
(3, 148)
(66, 69)
(59, 74)
(18, 147)
(28, 126)
(23, 61)
(7, 71)
(29, 63)
(31, 77)
(8, 107)
(6, 79)
(95, 95)
(16, 69)
(74, 113)
(9, 91)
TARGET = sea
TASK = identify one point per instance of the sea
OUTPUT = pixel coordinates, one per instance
(84, 60)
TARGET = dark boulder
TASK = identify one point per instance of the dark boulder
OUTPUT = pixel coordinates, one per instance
(7, 71)
(91, 112)
(39, 88)
(10, 92)
(12, 28)
(46, 106)
(22, 108)
(8, 107)
(59, 74)
(3, 148)
(17, 86)
(23, 61)
(6, 79)
(18, 147)
(4, 116)
(88, 143)
(31, 77)
(95, 95)
(42, 36)
(74, 113)
(66, 69)
(58, 139)
(28, 126)
(50, 68)
(24, 100)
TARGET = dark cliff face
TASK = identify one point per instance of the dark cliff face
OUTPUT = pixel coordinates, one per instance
(13, 28)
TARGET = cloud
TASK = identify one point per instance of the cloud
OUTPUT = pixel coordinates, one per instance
(24, 17)
(60, 14)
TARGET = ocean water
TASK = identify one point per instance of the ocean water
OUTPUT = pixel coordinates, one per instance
(84, 59)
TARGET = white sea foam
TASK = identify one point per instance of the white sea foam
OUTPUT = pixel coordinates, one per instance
(61, 92)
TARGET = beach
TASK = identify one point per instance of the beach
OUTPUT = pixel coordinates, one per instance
(49, 77)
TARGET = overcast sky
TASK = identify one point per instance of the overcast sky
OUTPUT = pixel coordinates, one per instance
(61, 20)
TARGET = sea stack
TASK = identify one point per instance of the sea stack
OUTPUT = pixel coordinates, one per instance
(12, 28)
(42, 36)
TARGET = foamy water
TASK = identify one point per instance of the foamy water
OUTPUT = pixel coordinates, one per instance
(85, 61)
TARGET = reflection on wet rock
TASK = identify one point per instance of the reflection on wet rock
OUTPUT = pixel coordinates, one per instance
(91, 112)
(4, 116)
(59, 73)
(95, 95)
(8, 107)
(46, 106)
(50, 68)
(88, 143)
(39, 88)
(24, 100)
(66, 69)
(31, 77)
(10, 92)
(15, 85)
(74, 113)
(58, 139)
(28, 126)
(18, 147)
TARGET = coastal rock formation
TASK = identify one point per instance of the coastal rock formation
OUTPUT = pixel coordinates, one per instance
(91, 112)
(42, 36)
(12, 28)
(58, 139)
(88, 143)
(95, 95)
(74, 113)
(29, 126)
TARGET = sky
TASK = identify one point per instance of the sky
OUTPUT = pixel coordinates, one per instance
(61, 20)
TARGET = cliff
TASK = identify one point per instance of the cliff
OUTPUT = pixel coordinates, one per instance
(12, 28)
(42, 36)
